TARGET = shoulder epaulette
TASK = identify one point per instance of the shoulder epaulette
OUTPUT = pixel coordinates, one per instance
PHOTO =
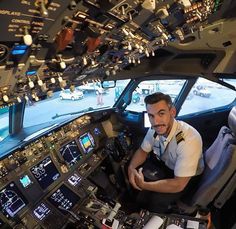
(179, 137)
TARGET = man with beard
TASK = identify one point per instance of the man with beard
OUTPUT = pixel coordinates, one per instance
(169, 160)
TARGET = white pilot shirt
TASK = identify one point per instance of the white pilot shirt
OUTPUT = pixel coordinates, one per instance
(181, 150)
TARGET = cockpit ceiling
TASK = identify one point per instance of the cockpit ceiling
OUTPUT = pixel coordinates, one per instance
(47, 45)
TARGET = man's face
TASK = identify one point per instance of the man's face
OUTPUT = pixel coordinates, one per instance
(161, 117)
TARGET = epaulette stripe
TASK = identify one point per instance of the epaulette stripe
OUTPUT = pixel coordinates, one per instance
(179, 134)
(179, 137)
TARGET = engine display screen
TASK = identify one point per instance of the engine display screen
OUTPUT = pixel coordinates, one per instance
(63, 198)
(41, 211)
(71, 153)
(87, 142)
(45, 172)
(11, 200)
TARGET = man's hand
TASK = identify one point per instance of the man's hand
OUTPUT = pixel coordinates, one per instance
(139, 179)
(133, 173)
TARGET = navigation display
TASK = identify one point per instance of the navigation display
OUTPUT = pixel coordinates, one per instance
(11, 200)
(45, 172)
(71, 153)
(63, 199)
(41, 211)
(87, 142)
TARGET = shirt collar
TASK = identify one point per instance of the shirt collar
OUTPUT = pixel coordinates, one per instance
(172, 131)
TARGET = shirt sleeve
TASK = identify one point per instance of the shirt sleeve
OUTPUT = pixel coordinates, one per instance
(189, 152)
(148, 141)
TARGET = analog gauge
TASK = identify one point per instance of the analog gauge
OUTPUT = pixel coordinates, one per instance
(3, 52)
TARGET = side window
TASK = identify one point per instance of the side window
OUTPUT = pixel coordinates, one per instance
(171, 87)
(207, 95)
(4, 122)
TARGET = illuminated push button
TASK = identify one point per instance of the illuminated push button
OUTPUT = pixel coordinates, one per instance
(40, 83)
(5, 98)
(18, 99)
(28, 39)
(62, 65)
(53, 80)
(60, 79)
(31, 84)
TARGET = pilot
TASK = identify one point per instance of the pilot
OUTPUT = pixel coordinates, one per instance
(169, 161)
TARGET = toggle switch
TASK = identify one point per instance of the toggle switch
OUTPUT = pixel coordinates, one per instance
(61, 62)
(43, 9)
(27, 37)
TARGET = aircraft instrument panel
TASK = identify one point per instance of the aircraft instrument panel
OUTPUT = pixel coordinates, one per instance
(48, 176)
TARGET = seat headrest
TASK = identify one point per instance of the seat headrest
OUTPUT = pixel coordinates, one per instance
(232, 120)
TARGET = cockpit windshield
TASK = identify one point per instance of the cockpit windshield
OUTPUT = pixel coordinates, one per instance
(66, 104)
(84, 98)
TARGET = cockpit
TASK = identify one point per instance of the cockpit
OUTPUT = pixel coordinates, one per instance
(73, 80)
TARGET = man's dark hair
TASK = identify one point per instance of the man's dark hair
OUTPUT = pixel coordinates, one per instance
(157, 97)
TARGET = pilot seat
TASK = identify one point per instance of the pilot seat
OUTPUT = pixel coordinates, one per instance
(218, 180)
